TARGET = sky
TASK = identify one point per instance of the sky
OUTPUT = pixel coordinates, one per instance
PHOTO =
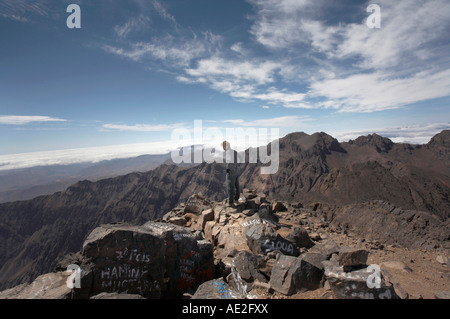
(137, 71)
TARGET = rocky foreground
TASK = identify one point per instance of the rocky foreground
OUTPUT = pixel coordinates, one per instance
(256, 249)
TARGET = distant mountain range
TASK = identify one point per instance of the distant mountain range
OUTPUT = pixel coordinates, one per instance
(35, 233)
(27, 183)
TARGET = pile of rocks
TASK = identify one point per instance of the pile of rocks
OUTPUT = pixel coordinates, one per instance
(254, 239)
(204, 249)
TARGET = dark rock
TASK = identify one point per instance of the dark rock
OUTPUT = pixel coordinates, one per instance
(353, 257)
(178, 220)
(309, 275)
(297, 205)
(265, 211)
(327, 248)
(262, 239)
(249, 194)
(278, 207)
(248, 212)
(247, 266)
(250, 204)
(154, 260)
(300, 237)
(196, 204)
(283, 274)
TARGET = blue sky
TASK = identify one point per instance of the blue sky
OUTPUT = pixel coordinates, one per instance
(136, 70)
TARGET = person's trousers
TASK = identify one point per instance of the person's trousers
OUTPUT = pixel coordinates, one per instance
(233, 187)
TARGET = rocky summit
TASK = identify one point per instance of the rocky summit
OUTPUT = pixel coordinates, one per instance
(256, 248)
(390, 199)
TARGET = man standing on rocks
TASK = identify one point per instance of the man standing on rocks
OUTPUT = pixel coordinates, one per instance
(232, 180)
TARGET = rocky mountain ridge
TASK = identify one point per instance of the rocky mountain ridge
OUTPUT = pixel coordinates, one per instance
(314, 169)
(257, 249)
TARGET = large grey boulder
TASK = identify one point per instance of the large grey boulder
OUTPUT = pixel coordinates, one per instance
(262, 238)
(364, 283)
(309, 275)
(282, 278)
(153, 260)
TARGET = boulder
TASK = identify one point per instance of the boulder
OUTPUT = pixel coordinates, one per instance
(178, 220)
(309, 275)
(249, 193)
(262, 239)
(230, 237)
(153, 260)
(283, 274)
(265, 211)
(248, 212)
(247, 266)
(215, 289)
(196, 204)
(365, 283)
(205, 216)
(299, 236)
(388, 277)
(278, 207)
(327, 248)
(266, 266)
(47, 286)
(353, 257)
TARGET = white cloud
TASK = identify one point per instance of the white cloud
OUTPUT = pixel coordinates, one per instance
(404, 62)
(409, 31)
(20, 10)
(22, 120)
(217, 68)
(379, 91)
(413, 134)
(277, 22)
(83, 155)
(162, 11)
(245, 80)
(277, 122)
(142, 127)
(173, 51)
(133, 24)
(351, 67)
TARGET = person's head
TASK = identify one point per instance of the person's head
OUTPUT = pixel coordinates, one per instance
(225, 145)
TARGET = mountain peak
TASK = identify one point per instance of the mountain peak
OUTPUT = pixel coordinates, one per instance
(382, 144)
(440, 139)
